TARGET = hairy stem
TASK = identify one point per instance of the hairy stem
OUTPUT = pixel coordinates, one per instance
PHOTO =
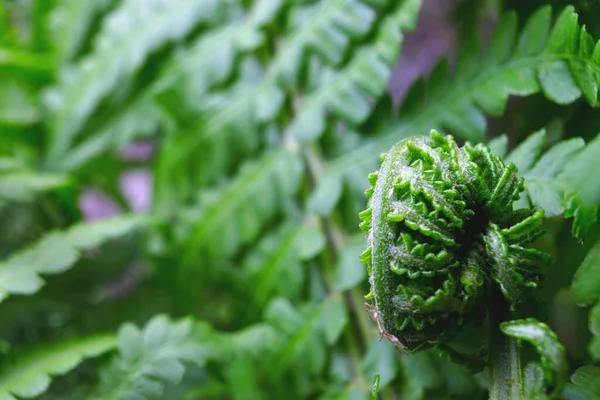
(506, 377)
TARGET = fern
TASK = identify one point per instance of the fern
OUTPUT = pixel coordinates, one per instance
(146, 26)
(149, 359)
(22, 186)
(547, 376)
(264, 118)
(56, 252)
(561, 63)
(348, 93)
(587, 186)
(306, 332)
(585, 384)
(328, 35)
(25, 62)
(70, 24)
(30, 375)
(551, 180)
(177, 83)
(142, 119)
(257, 195)
(585, 291)
(275, 267)
(213, 58)
(428, 376)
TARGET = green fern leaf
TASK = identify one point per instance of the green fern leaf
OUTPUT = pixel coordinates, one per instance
(275, 267)
(543, 187)
(28, 63)
(348, 94)
(18, 110)
(235, 216)
(58, 251)
(585, 384)
(585, 292)
(305, 332)
(30, 375)
(212, 59)
(576, 172)
(141, 119)
(350, 271)
(150, 358)
(551, 180)
(375, 388)
(594, 346)
(181, 84)
(587, 278)
(231, 128)
(193, 71)
(130, 33)
(552, 353)
(70, 25)
(557, 62)
(325, 29)
(23, 186)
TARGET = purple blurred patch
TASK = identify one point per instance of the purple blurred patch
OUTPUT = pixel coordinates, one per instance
(136, 186)
(434, 37)
(96, 205)
(139, 151)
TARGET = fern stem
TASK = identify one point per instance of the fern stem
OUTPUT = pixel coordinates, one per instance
(504, 360)
(335, 241)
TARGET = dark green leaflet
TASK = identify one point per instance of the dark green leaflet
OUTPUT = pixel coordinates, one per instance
(441, 229)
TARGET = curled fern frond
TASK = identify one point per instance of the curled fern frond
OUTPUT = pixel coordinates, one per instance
(549, 375)
(441, 230)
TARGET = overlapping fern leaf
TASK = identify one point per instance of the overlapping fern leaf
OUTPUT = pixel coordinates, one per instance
(247, 118)
(56, 252)
(180, 86)
(561, 61)
(585, 384)
(553, 179)
(348, 93)
(70, 25)
(235, 125)
(30, 375)
(262, 112)
(260, 191)
(149, 359)
(585, 292)
(275, 268)
(129, 35)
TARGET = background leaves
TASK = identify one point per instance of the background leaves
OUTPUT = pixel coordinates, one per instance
(250, 128)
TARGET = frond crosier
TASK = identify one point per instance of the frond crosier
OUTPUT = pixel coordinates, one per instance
(441, 230)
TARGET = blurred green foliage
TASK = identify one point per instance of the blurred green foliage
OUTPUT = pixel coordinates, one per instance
(249, 128)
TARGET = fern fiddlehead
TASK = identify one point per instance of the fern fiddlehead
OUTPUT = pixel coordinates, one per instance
(442, 230)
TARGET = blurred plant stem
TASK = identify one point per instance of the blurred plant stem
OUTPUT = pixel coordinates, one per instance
(357, 341)
(504, 360)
